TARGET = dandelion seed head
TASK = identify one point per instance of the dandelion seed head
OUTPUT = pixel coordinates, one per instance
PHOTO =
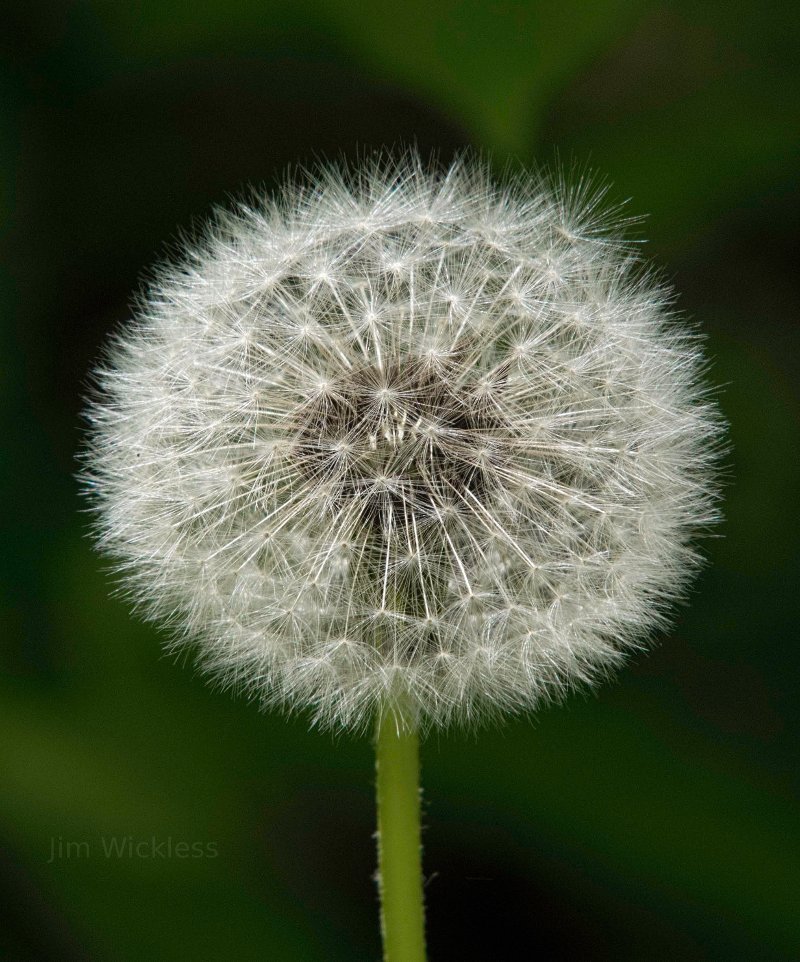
(405, 437)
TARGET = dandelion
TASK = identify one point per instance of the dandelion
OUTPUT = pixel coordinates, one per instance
(406, 444)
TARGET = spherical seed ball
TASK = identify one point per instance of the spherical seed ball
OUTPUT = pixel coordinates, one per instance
(405, 437)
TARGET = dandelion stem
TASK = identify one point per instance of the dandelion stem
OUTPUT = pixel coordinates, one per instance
(399, 841)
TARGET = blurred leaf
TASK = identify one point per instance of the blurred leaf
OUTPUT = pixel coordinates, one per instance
(697, 106)
(495, 64)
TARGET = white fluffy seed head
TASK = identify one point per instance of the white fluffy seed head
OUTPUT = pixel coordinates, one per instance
(405, 438)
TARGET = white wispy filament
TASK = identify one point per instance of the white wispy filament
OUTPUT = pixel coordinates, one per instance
(405, 437)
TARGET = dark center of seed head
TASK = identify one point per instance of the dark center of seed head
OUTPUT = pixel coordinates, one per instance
(408, 438)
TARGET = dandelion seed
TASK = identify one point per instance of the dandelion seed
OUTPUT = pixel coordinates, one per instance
(405, 437)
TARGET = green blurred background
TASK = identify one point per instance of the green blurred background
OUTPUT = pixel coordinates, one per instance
(657, 819)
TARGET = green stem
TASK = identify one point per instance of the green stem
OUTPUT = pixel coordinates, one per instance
(399, 842)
